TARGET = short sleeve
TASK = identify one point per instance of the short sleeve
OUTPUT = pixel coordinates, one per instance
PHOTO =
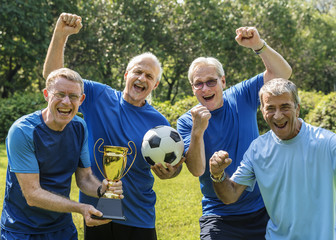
(20, 151)
(244, 174)
(85, 155)
(184, 126)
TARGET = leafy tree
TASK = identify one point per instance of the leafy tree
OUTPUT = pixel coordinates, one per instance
(24, 37)
(324, 115)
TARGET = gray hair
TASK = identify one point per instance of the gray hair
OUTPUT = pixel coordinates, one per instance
(138, 58)
(67, 73)
(279, 86)
(205, 61)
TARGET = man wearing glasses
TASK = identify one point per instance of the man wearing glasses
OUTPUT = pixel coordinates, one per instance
(44, 150)
(226, 120)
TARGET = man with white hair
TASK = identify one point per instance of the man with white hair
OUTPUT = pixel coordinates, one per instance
(118, 118)
(226, 120)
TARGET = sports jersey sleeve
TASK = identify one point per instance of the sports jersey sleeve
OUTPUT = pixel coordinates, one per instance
(184, 126)
(247, 91)
(244, 174)
(20, 150)
(85, 155)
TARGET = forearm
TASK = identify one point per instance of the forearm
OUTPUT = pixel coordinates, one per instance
(88, 184)
(195, 157)
(55, 55)
(228, 191)
(53, 202)
(276, 66)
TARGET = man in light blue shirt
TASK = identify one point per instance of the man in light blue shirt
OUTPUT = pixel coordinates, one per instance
(294, 165)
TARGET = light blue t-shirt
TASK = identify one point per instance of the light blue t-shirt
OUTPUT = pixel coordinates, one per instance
(297, 180)
(109, 117)
(231, 128)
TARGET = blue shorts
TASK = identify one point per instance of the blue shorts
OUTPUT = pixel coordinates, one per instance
(250, 226)
(69, 233)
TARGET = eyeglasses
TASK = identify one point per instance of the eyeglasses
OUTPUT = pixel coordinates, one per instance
(60, 96)
(200, 85)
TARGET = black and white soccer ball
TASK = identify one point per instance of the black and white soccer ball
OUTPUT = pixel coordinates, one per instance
(162, 144)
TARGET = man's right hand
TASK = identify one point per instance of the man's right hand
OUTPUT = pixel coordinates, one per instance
(200, 116)
(68, 24)
(219, 162)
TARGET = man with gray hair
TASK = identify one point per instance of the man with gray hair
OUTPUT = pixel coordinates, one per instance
(117, 118)
(294, 165)
(44, 150)
(226, 120)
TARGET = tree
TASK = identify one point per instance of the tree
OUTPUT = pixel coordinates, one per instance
(24, 37)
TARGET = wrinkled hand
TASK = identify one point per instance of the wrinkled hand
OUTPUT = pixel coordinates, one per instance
(114, 187)
(68, 24)
(169, 171)
(200, 116)
(88, 211)
(219, 161)
(249, 37)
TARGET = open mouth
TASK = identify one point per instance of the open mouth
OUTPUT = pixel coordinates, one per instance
(64, 111)
(281, 126)
(139, 88)
(208, 98)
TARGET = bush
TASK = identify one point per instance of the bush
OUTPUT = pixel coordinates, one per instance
(173, 112)
(324, 115)
(15, 107)
(309, 101)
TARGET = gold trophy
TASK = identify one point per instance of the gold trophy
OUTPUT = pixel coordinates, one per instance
(114, 165)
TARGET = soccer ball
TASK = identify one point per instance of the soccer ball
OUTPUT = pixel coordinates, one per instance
(162, 144)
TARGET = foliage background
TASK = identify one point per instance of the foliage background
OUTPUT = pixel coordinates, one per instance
(303, 31)
(177, 31)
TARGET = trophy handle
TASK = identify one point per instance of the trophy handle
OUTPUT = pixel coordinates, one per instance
(94, 154)
(135, 153)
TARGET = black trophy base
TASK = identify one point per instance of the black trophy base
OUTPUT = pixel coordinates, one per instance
(111, 209)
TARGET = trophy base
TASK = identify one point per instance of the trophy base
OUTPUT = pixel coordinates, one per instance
(111, 209)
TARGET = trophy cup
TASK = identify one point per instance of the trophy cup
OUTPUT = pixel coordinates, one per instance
(114, 165)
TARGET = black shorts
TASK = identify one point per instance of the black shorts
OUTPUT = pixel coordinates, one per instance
(250, 226)
(115, 231)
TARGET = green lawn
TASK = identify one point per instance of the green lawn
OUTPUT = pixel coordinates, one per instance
(178, 206)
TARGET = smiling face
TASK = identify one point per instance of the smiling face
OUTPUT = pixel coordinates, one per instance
(64, 98)
(141, 79)
(281, 115)
(210, 97)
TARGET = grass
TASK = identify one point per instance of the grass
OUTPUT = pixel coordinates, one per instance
(178, 205)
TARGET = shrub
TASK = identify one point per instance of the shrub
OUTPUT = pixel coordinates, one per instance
(309, 101)
(324, 114)
(15, 107)
(173, 112)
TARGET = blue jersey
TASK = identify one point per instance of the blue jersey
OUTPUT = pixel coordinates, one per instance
(110, 118)
(231, 128)
(297, 180)
(32, 147)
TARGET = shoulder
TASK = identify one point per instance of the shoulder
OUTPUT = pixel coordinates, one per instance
(27, 123)
(319, 133)
(155, 113)
(255, 82)
(77, 121)
(98, 89)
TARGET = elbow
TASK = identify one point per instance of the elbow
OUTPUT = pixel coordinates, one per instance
(288, 73)
(198, 172)
(31, 201)
(44, 74)
(227, 200)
